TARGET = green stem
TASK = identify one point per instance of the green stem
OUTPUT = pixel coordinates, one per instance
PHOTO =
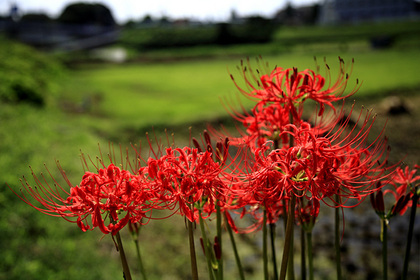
(273, 249)
(410, 234)
(337, 241)
(288, 238)
(206, 246)
(285, 216)
(193, 258)
(265, 255)
(303, 255)
(235, 250)
(219, 237)
(126, 269)
(384, 227)
(290, 266)
(272, 232)
(142, 270)
(310, 256)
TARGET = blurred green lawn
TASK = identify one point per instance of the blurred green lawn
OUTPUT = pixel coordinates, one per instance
(189, 91)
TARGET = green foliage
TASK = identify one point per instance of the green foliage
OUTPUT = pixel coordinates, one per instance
(36, 247)
(36, 17)
(253, 30)
(87, 13)
(346, 34)
(163, 37)
(27, 75)
(343, 39)
(180, 37)
(33, 245)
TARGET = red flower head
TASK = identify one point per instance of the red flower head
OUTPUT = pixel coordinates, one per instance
(267, 122)
(405, 179)
(185, 178)
(291, 87)
(319, 167)
(403, 183)
(279, 97)
(110, 193)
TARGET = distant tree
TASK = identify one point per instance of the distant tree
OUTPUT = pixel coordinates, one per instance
(257, 29)
(35, 17)
(130, 23)
(86, 13)
(224, 35)
(289, 11)
(254, 29)
(314, 14)
(290, 15)
(147, 19)
(164, 20)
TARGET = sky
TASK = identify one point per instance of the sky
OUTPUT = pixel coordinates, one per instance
(123, 10)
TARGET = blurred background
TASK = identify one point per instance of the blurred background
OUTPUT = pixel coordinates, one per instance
(77, 74)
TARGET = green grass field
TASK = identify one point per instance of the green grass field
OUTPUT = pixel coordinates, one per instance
(139, 95)
(98, 103)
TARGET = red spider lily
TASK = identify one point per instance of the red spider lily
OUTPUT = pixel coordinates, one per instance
(265, 123)
(279, 98)
(403, 182)
(399, 207)
(405, 179)
(291, 88)
(319, 167)
(110, 193)
(273, 176)
(185, 179)
(357, 164)
(235, 198)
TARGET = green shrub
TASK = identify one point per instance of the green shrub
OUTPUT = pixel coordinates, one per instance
(26, 75)
(253, 30)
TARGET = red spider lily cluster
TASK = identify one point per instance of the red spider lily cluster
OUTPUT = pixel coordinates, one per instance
(331, 161)
(281, 165)
(177, 181)
(282, 156)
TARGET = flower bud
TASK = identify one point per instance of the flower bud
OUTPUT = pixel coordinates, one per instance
(202, 246)
(400, 206)
(380, 207)
(197, 145)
